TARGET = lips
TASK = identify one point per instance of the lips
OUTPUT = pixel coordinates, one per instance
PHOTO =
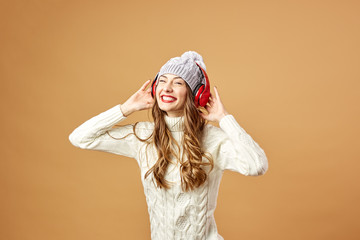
(167, 98)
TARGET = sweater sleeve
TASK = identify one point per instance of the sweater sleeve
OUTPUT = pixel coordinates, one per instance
(239, 152)
(97, 134)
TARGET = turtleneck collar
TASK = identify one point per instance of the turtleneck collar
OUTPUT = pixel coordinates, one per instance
(175, 124)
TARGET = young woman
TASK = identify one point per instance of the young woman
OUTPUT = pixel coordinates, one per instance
(181, 157)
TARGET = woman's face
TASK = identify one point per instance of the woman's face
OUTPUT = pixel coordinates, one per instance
(171, 94)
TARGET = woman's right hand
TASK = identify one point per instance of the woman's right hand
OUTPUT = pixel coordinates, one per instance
(140, 100)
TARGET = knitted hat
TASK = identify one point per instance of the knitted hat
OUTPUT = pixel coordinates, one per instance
(186, 68)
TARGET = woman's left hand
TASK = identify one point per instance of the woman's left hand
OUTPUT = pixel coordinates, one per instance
(215, 108)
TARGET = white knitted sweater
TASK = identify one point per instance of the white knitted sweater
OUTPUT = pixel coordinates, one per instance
(175, 214)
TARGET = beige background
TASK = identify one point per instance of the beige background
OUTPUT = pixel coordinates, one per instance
(287, 70)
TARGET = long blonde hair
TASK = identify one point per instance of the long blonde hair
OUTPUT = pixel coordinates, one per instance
(191, 173)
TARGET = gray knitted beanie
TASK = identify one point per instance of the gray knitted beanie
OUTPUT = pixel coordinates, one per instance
(186, 68)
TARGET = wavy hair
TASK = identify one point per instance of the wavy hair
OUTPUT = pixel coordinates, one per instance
(191, 161)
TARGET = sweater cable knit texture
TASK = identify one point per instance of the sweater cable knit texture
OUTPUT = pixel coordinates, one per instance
(175, 214)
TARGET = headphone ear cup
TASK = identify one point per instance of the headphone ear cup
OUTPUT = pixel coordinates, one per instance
(198, 91)
(153, 86)
(202, 96)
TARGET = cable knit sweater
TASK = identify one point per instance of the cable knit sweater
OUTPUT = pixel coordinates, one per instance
(175, 214)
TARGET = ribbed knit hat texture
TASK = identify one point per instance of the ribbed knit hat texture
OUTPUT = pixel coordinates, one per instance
(186, 68)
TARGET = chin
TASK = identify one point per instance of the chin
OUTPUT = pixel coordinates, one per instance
(165, 109)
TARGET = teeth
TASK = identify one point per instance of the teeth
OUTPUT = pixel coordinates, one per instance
(168, 98)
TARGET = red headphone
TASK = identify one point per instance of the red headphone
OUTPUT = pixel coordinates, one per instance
(202, 91)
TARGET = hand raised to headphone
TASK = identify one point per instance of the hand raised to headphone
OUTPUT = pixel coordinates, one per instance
(215, 108)
(140, 100)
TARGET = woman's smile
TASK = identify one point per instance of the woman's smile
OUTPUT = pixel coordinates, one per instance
(167, 99)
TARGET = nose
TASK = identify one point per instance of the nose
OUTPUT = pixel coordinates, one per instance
(167, 87)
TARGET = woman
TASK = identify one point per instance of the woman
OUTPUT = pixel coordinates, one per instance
(181, 157)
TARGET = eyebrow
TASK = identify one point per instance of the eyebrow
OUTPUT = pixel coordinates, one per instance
(173, 78)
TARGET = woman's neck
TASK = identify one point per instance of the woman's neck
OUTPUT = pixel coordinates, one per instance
(174, 123)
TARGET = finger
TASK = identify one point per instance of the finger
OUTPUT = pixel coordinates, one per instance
(143, 87)
(207, 107)
(216, 92)
(211, 97)
(211, 102)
